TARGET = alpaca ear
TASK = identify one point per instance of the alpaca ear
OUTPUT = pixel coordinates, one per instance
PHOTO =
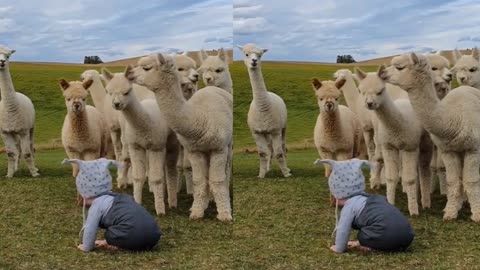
(359, 74)
(202, 55)
(12, 51)
(339, 84)
(414, 58)
(222, 55)
(64, 84)
(475, 54)
(456, 55)
(161, 59)
(239, 47)
(107, 75)
(185, 53)
(86, 84)
(382, 72)
(265, 50)
(128, 73)
(316, 84)
(438, 52)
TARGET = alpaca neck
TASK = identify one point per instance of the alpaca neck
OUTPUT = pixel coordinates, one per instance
(331, 122)
(79, 123)
(434, 116)
(98, 94)
(179, 114)
(260, 94)
(390, 116)
(8, 94)
(351, 94)
(228, 85)
(136, 115)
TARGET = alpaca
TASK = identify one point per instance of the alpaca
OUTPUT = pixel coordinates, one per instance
(215, 71)
(98, 94)
(337, 133)
(403, 140)
(453, 125)
(186, 67)
(267, 116)
(17, 117)
(146, 136)
(204, 126)
(442, 82)
(82, 132)
(467, 68)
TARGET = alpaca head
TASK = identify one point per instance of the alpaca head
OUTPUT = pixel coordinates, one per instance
(5, 54)
(252, 55)
(75, 94)
(327, 93)
(90, 74)
(186, 67)
(372, 87)
(214, 69)
(156, 71)
(342, 74)
(408, 71)
(467, 68)
(119, 87)
(442, 76)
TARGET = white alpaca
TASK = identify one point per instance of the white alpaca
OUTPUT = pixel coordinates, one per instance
(186, 67)
(83, 136)
(453, 123)
(146, 136)
(467, 68)
(215, 71)
(402, 138)
(204, 126)
(17, 117)
(337, 132)
(98, 94)
(267, 116)
(442, 80)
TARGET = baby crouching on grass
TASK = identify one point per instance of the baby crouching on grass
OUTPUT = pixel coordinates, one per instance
(381, 226)
(127, 225)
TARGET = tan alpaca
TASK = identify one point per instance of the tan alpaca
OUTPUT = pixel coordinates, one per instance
(83, 136)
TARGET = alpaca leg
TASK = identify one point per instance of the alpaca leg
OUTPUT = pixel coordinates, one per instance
(270, 152)
(442, 178)
(171, 169)
(25, 146)
(471, 182)
(370, 143)
(376, 179)
(201, 194)
(117, 143)
(156, 179)
(391, 157)
(433, 169)
(263, 152)
(139, 163)
(326, 155)
(219, 184)
(284, 143)
(410, 163)
(425, 158)
(12, 152)
(74, 155)
(279, 154)
(180, 172)
(187, 170)
(453, 167)
(124, 176)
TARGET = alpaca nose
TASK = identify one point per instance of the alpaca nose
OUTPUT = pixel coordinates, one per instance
(208, 79)
(463, 79)
(76, 105)
(329, 105)
(2, 62)
(370, 104)
(116, 105)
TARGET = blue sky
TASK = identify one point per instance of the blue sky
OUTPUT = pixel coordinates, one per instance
(66, 31)
(312, 30)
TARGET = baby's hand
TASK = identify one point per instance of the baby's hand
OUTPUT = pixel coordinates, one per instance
(333, 248)
(100, 243)
(80, 247)
(353, 244)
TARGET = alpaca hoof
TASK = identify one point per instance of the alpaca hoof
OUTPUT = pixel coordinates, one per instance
(160, 211)
(224, 217)
(261, 176)
(450, 216)
(172, 205)
(287, 175)
(35, 174)
(196, 214)
(475, 217)
(9, 175)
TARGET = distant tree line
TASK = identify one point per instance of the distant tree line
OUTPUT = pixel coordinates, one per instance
(346, 58)
(92, 60)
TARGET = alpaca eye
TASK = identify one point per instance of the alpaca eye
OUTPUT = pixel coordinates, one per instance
(400, 68)
(147, 68)
(473, 69)
(181, 69)
(68, 99)
(321, 99)
(246, 55)
(84, 99)
(336, 99)
(219, 70)
(126, 94)
(434, 68)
